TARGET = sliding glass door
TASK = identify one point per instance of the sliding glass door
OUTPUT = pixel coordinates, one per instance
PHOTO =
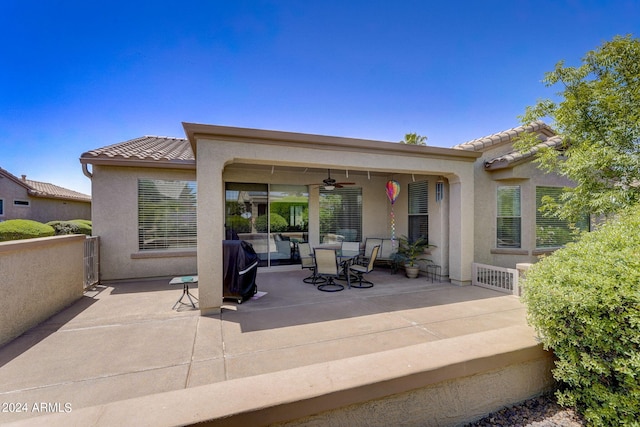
(274, 219)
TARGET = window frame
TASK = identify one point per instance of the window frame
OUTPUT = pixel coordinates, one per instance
(506, 214)
(177, 228)
(352, 220)
(563, 233)
(418, 210)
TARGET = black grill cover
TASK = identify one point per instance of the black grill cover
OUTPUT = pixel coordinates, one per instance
(240, 269)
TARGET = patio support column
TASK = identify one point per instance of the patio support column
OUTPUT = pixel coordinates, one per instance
(210, 228)
(461, 229)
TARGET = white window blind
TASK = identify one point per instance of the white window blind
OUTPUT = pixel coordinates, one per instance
(166, 214)
(341, 214)
(550, 230)
(508, 217)
(418, 210)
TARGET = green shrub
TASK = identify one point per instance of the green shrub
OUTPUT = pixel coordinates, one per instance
(584, 302)
(85, 226)
(278, 223)
(76, 226)
(17, 229)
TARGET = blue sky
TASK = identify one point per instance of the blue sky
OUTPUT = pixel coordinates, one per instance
(82, 74)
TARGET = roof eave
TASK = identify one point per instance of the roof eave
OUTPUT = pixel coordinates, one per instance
(12, 177)
(138, 163)
(42, 195)
(504, 164)
(502, 138)
(195, 131)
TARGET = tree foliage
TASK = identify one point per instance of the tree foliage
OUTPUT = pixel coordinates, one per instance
(414, 139)
(598, 117)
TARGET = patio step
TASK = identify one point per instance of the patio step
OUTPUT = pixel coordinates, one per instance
(445, 382)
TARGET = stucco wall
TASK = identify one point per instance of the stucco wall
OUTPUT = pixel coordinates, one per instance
(45, 210)
(38, 278)
(528, 177)
(115, 220)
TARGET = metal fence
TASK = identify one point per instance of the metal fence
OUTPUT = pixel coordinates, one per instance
(91, 261)
(496, 278)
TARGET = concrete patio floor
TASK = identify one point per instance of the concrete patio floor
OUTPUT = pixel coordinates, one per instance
(123, 340)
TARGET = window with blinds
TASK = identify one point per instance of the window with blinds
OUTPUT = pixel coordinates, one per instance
(418, 210)
(550, 230)
(166, 214)
(508, 217)
(341, 214)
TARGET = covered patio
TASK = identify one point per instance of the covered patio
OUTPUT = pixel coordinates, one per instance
(122, 353)
(238, 156)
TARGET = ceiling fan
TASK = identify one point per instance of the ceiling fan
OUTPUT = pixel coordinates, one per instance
(330, 183)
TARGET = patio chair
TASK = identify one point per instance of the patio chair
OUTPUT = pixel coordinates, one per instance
(361, 270)
(369, 244)
(350, 247)
(327, 267)
(307, 261)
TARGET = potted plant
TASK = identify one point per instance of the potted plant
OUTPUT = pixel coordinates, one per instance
(410, 252)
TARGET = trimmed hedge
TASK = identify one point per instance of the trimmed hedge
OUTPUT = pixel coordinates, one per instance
(584, 302)
(75, 226)
(18, 229)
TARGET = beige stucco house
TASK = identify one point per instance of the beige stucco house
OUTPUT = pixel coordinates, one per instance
(22, 198)
(475, 202)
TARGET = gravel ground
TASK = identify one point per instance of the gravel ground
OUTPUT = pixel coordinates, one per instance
(541, 411)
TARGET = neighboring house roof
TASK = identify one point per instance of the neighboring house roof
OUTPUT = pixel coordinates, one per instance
(144, 150)
(45, 189)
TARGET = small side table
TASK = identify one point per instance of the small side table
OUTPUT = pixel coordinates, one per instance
(184, 281)
(434, 270)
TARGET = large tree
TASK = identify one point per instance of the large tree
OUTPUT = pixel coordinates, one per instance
(598, 117)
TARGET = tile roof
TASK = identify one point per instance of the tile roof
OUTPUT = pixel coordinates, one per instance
(145, 149)
(177, 152)
(509, 159)
(504, 137)
(44, 189)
